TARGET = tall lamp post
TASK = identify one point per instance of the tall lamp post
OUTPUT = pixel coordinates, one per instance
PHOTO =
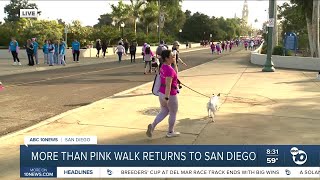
(268, 66)
(66, 34)
(159, 21)
(180, 31)
(122, 27)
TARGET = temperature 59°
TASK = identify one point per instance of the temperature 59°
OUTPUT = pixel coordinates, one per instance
(272, 160)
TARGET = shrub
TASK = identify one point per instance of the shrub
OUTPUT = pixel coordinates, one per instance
(277, 50)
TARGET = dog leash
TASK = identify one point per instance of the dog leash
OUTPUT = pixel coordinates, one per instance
(193, 90)
(227, 95)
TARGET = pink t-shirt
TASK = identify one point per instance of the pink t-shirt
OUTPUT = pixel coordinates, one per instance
(168, 71)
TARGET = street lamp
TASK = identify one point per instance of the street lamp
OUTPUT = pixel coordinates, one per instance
(66, 34)
(268, 66)
(159, 13)
(122, 27)
(180, 31)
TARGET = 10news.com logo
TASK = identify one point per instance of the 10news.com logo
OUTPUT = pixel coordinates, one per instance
(299, 157)
(38, 172)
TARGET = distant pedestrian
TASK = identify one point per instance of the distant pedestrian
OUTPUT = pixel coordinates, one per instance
(66, 47)
(223, 45)
(133, 51)
(187, 45)
(120, 51)
(35, 49)
(175, 51)
(162, 46)
(218, 47)
(62, 53)
(14, 49)
(126, 46)
(46, 52)
(251, 45)
(213, 47)
(104, 48)
(147, 59)
(56, 52)
(143, 49)
(51, 49)
(75, 50)
(168, 95)
(246, 44)
(30, 52)
(98, 47)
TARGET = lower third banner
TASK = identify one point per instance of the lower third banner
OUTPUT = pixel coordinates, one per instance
(165, 161)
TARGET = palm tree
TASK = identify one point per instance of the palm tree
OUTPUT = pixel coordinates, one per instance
(135, 9)
(149, 15)
(119, 13)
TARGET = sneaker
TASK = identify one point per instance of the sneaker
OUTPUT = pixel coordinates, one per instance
(149, 130)
(15, 63)
(173, 134)
(19, 63)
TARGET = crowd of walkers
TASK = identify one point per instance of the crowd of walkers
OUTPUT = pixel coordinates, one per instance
(223, 46)
(252, 44)
(54, 51)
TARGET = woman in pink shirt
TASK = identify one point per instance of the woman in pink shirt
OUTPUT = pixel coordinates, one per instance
(168, 94)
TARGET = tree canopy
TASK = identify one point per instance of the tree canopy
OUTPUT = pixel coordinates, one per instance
(13, 9)
(141, 24)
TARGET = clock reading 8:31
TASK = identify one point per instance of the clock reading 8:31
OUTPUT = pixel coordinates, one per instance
(272, 151)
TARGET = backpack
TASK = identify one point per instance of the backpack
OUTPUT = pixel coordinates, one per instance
(160, 49)
(132, 48)
(156, 85)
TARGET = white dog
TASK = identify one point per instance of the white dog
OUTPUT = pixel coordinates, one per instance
(212, 106)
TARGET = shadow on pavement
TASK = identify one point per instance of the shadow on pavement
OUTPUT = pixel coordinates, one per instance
(130, 95)
(77, 105)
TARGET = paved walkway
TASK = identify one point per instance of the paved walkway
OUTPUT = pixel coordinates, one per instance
(261, 108)
(6, 67)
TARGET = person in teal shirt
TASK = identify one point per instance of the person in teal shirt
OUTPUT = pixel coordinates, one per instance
(66, 47)
(76, 50)
(62, 53)
(35, 49)
(56, 52)
(45, 52)
(14, 49)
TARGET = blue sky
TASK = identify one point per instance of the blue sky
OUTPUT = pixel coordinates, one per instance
(89, 11)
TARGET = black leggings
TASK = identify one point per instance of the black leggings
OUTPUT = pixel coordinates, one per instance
(15, 56)
(30, 58)
(76, 54)
(98, 52)
(133, 57)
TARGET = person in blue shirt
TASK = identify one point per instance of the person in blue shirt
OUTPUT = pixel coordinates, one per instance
(76, 50)
(66, 47)
(62, 53)
(35, 49)
(14, 49)
(51, 50)
(56, 52)
(46, 52)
